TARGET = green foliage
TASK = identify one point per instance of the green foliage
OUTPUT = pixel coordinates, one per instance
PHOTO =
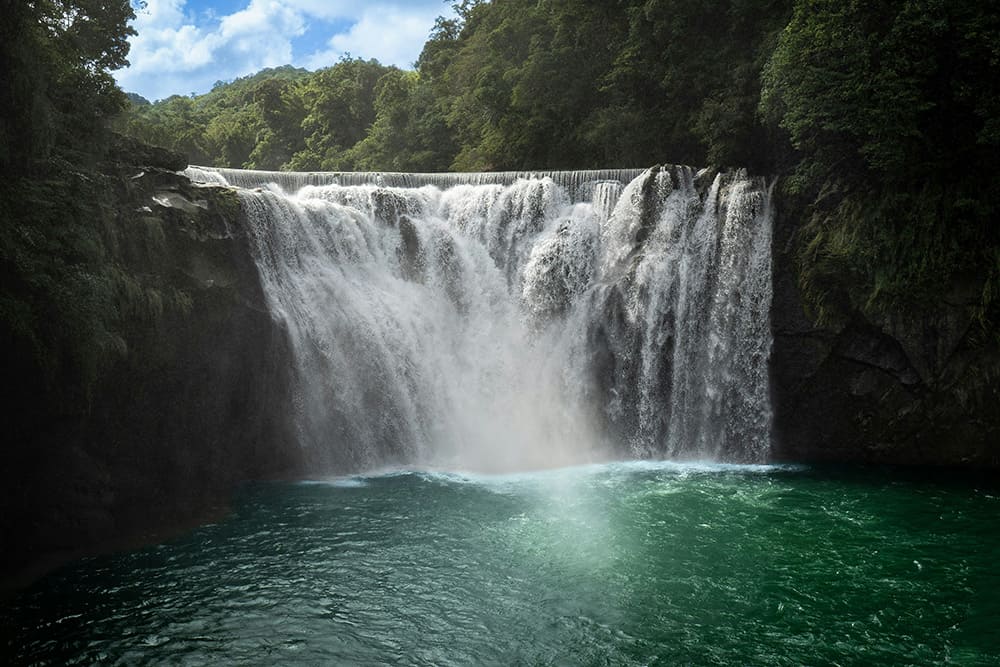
(409, 132)
(341, 108)
(281, 110)
(55, 56)
(505, 85)
(252, 122)
(66, 302)
(572, 84)
(893, 108)
(288, 118)
(685, 82)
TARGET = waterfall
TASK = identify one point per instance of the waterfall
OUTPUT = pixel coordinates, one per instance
(513, 320)
(577, 184)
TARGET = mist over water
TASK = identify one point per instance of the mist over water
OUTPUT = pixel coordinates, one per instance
(498, 322)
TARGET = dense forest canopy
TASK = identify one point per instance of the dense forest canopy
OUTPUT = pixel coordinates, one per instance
(57, 89)
(506, 85)
(881, 118)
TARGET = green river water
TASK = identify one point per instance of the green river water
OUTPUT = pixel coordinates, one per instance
(630, 563)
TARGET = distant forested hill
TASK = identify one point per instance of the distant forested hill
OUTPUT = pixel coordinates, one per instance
(355, 115)
(506, 85)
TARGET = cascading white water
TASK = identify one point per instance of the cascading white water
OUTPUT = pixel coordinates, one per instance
(510, 321)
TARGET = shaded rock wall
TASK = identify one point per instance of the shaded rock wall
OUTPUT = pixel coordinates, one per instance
(195, 406)
(900, 389)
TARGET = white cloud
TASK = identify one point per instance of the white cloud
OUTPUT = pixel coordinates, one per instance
(177, 51)
(393, 36)
(327, 9)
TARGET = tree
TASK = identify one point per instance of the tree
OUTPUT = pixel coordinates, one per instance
(56, 55)
(341, 107)
(409, 133)
(893, 107)
(281, 109)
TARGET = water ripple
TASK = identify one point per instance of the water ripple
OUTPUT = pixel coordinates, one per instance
(637, 563)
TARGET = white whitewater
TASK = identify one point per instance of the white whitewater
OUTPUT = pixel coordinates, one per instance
(499, 322)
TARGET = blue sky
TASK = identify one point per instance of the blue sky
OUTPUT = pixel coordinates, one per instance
(185, 46)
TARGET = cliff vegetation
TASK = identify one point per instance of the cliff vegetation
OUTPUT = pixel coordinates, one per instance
(139, 357)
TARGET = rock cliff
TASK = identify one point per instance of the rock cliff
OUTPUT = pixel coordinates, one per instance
(190, 409)
(916, 388)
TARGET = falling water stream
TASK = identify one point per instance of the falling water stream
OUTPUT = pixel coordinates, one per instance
(516, 320)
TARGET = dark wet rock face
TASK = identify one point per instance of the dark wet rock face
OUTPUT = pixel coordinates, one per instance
(127, 150)
(194, 407)
(900, 389)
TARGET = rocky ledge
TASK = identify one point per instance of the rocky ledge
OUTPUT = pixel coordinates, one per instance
(186, 412)
(908, 389)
